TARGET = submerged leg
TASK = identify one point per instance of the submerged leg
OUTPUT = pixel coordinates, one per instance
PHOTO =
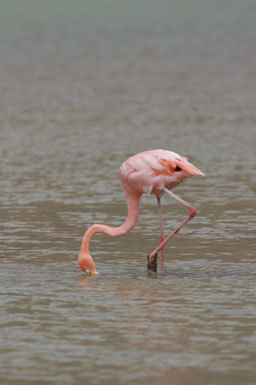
(152, 263)
(191, 215)
(161, 232)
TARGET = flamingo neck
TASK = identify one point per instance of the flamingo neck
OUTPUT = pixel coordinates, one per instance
(133, 201)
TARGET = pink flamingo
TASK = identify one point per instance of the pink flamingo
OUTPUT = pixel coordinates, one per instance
(151, 172)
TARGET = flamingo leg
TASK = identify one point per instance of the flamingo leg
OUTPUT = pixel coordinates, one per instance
(191, 215)
(161, 231)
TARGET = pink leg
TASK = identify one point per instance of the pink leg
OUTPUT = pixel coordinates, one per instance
(192, 214)
(161, 232)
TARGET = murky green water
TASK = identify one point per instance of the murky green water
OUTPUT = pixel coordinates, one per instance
(84, 86)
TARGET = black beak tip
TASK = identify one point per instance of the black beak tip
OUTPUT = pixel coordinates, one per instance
(152, 265)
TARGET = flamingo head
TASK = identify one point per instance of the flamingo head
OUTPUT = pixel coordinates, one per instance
(85, 262)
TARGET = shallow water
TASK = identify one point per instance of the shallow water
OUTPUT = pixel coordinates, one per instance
(82, 88)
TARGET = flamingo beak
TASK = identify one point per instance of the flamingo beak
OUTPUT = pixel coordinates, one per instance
(92, 273)
(191, 169)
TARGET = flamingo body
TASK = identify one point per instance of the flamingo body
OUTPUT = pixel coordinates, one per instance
(149, 172)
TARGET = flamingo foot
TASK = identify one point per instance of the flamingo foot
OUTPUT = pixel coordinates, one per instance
(152, 263)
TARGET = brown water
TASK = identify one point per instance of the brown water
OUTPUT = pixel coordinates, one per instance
(84, 86)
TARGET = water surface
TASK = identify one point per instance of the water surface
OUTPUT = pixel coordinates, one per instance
(83, 87)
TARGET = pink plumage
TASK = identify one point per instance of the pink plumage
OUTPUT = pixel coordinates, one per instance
(150, 172)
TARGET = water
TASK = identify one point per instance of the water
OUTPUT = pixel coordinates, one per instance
(83, 87)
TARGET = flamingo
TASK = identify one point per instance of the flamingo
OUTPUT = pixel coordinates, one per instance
(150, 172)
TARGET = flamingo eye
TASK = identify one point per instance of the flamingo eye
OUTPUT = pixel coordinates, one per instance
(177, 168)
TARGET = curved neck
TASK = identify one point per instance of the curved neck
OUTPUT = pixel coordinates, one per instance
(133, 201)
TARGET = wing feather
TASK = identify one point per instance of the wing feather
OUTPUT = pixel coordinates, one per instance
(152, 162)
